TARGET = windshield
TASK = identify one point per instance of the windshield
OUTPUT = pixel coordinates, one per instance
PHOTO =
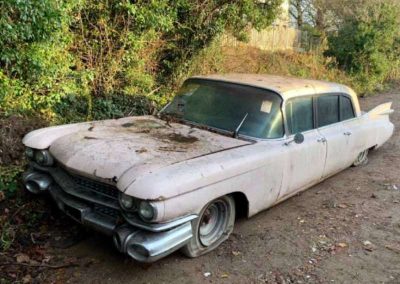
(227, 106)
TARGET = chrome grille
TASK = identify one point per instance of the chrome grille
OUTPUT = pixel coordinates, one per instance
(106, 210)
(92, 192)
(98, 187)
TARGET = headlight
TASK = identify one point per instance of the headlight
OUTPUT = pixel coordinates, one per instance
(147, 211)
(29, 153)
(43, 157)
(127, 202)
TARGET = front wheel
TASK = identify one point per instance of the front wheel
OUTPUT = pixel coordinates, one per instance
(362, 159)
(213, 226)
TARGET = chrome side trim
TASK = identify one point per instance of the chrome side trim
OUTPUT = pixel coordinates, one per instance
(135, 220)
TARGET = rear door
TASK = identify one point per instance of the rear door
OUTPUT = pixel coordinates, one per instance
(330, 127)
(354, 130)
(305, 161)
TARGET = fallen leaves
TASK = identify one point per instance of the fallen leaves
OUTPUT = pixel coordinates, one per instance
(342, 245)
(391, 186)
(224, 275)
(207, 274)
(368, 246)
(22, 258)
(236, 253)
(27, 279)
(395, 249)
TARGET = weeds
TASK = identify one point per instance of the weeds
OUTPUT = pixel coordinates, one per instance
(7, 236)
(9, 176)
(245, 59)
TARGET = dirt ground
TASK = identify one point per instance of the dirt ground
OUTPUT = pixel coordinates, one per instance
(344, 230)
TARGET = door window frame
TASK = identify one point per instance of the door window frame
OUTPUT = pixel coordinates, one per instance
(340, 107)
(288, 132)
(315, 111)
(339, 110)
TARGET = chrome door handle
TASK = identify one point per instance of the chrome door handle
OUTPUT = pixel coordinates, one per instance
(321, 140)
(347, 133)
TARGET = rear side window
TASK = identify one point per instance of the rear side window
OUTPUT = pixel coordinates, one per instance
(299, 114)
(328, 110)
(346, 108)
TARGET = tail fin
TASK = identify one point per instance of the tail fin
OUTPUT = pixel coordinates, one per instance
(383, 109)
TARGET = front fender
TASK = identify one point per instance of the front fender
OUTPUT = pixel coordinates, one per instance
(44, 137)
(187, 186)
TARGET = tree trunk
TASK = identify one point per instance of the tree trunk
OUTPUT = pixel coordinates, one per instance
(299, 12)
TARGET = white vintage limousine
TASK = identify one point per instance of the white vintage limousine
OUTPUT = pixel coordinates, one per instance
(226, 145)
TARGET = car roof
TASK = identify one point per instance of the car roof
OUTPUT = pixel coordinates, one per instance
(287, 87)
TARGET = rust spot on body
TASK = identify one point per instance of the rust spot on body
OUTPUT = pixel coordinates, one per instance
(181, 138)
(170, 149)
(141, 150)
(128, 124)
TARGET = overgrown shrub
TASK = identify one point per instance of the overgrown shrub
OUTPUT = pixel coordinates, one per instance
(241, 59)
(367, 44)
(57, 52)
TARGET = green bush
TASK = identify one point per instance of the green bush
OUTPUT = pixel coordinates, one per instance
(59, 57)
(75, 108)
(367, 45)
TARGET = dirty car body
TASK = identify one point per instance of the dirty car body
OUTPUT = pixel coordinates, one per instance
(225, 144)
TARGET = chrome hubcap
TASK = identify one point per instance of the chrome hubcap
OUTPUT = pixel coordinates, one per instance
(361, 157)
(213, 223)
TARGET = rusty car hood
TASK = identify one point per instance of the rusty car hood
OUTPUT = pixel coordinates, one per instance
(141, 145)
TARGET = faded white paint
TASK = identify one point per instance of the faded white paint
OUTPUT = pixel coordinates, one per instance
(182, 168)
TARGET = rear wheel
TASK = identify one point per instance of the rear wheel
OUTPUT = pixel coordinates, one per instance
(362, 159)
(213, 226)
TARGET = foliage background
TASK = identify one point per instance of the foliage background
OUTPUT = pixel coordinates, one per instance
(90, 59)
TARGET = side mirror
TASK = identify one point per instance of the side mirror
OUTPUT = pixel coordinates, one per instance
(298, 138)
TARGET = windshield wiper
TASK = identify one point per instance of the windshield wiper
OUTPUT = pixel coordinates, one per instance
(236, 132)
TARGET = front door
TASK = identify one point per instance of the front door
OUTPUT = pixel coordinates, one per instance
(304, 162)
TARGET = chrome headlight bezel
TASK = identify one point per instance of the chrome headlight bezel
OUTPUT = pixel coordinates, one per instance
(43, 158)
(151, 211)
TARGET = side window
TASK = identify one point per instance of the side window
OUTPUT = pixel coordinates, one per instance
(327, 109)
(299, 114)
(346, 108)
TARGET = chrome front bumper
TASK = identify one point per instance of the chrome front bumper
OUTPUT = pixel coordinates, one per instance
(142, 241)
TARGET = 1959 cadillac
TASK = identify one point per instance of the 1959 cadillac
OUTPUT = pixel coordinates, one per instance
(226, 144)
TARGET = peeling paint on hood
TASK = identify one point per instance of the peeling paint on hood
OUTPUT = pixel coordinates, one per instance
(141, 145)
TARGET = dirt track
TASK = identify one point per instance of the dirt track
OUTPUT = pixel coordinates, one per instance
(344, 230)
